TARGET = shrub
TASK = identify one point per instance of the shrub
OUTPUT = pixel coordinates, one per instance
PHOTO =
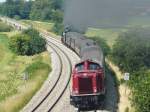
(27, 43)
(31, 32)
(20, 44)
(37, 43)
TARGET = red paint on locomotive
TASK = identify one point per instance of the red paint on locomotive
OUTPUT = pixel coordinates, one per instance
(87, 78)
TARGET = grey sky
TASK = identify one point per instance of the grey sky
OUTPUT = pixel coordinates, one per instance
(2, 0)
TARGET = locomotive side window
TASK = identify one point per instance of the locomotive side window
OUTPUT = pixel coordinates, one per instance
(93, 66)
(80, 67)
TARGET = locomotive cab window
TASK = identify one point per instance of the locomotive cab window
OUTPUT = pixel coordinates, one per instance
(80, 67)
(94, 66)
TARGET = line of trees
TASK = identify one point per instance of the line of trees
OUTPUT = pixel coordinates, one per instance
(131, 53)
(44, 10)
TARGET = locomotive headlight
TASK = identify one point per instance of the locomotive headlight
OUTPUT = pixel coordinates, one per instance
(76, 91)
(95, 90)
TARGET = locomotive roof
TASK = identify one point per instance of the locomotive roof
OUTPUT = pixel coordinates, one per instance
(80, 39)
(88, 48)
(93, 52)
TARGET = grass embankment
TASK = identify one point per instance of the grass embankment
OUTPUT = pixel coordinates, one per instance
(15, 92)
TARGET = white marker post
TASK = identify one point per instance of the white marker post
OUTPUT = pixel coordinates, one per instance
(25, 77)
(126, 78)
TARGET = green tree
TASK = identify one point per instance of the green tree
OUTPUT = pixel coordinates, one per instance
(41, 10)
(16, 8)
(24, 9)
(57, 4)
(57, 16)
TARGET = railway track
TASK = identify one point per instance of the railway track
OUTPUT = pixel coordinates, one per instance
(57, 86)
(49, 100)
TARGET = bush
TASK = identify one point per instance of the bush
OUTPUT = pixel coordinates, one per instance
(20, 44)
(31, 32)
(27, 43)
(37, 43)
(5, 28)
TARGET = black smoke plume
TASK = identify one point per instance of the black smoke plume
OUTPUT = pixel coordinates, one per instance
(81, 14)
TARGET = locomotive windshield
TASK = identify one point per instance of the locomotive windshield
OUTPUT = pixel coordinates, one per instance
(93, 66)
(80, 67)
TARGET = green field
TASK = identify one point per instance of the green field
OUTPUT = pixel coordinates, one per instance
(111, 34)
(38, 24)
(14, 91)
(107, 34)
(41, 26)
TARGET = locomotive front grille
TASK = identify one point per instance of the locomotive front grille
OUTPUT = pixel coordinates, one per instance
(85, 85)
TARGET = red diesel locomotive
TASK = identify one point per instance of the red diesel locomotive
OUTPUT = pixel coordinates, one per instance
(88, 76)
